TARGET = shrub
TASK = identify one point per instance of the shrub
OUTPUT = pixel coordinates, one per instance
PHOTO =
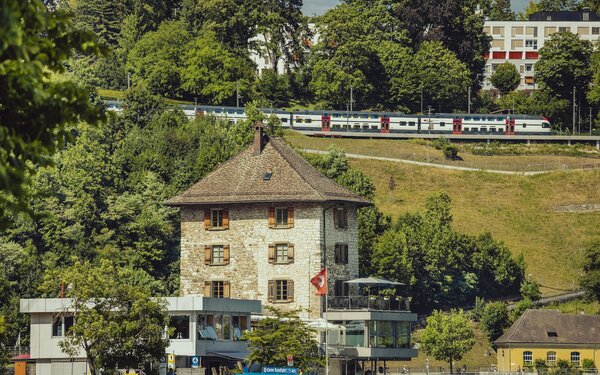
(440, 143)
(588, 364)
(540, 364)
(563, 364)
(450, 152)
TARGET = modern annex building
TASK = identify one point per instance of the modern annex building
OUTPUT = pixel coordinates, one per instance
(551, 336)
(519, 42)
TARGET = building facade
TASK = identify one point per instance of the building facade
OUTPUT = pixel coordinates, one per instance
(262, 225)
(207, 327)
(551, 336)
(519, 42)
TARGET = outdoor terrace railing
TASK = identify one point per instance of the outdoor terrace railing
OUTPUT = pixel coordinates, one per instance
(377, 303)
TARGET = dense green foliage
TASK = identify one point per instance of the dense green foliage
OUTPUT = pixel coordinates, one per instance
(590, 280)
(506, 78)
(118, 323)
(280, 335)
(447, 336)
(35, 108)
(494, 320)
(425, 253)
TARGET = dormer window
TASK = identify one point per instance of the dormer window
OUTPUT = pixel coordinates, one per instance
(552, 333)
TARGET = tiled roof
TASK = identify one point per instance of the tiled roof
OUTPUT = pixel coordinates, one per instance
(243, 179)
(552, 327)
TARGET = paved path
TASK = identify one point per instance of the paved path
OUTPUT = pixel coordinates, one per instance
(434, 165)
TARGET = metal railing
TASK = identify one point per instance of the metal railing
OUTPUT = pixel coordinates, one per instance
(377, 303)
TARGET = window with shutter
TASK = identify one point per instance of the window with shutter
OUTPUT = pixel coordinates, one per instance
(217, 289)
(341, 253)
(271, 291)
(271, 217)
(340, 217)
(207, 289)
(217, 255)
(216, 219)
(226, 289)
(207, 254)
(272, 253)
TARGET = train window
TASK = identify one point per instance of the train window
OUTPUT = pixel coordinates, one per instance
(375, 116)
(356, 126)
(308, 120)
(402, 123)
(374, 127)
(500, 118)
(467, 119)
(336, 115)
(365, 127)
(336, 126)
(284, 119)
(475, 118)
(524, 125)
(364, 116)
(442, 123)
(483, 129)
(411, 123)
(298, 120)
(474, 129)
(467, 129)
(545, 125)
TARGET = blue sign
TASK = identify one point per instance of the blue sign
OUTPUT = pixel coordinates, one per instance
(195, 361)
(280, 370)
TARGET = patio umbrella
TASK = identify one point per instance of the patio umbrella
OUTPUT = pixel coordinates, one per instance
(373, 281)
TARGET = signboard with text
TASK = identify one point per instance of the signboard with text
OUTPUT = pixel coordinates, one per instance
(280, 370)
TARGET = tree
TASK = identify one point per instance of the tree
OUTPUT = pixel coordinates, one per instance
(590, 280)
(444, 78)
(494, 320)
(36, 108)
(157, 58)
(116, 319)
(501, 11)
(280, 335)
(447, 336)
(564, 63)
(214, 72)
(558, 5)
(506, 78)
(102, 17)
(530, 290)
(284, 31)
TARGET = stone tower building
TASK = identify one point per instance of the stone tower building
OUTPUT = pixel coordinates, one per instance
(259, 225)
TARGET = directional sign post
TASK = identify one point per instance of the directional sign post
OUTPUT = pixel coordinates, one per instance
(195, 361)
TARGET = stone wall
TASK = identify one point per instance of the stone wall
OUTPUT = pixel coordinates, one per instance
(249, 269)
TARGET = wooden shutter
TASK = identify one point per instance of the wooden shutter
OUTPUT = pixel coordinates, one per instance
(226, 254)
(207, 254)
(291, 217)
(226, 289)
(271, 217)
(290, 290)
(291, 253)
(335, 218)
(207, 219)
(344, 254)
(271, 291)
(271, 253)
(225, 219)
(207, 285)
(336, 253)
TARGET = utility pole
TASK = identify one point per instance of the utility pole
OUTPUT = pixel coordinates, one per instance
(574, 113)
(421, 98)
(237, 95)
(469, 101)
(429, 113)
(579, 113)
(351, 98)
(590, 120)
(195, 104)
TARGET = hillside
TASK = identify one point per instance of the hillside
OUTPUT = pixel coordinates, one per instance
(517, 210)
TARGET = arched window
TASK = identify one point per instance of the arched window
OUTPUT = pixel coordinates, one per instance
(551, 359)
(527, 358)
(575, 359)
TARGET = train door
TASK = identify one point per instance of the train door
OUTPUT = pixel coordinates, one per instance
(385, 124)
(325, 122)
(457, 125)
(510, 126)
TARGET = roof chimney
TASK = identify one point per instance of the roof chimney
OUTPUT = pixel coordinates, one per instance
(259, 138)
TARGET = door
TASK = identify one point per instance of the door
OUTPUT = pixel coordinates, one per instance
(385, 124)
(325, 122)
(457, 125)
(510, 126)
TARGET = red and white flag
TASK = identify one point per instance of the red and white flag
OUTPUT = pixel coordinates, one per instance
(320, 282)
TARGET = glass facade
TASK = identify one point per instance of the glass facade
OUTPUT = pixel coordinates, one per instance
(381, 333)
(355, 333)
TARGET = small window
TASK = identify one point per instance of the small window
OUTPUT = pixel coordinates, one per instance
(552, 333)
(411, 123)
(57, 327)
(531, 43)
(564, 29)
(281, 217)
(284, 119)
(216, 219)
(217, 289)
(340, 217)
(341, 253)
(216, 255)
(402, 123)
(281, 291)
(551, 358)
(595, 30)
(527, 358)
(181, 327)
(575, 359)
(442, 123)
(69, 321)
(281, 253)
(524, 125)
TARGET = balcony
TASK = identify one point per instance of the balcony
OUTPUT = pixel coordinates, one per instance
(369, 303)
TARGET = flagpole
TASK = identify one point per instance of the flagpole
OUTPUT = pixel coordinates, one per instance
(326, 322)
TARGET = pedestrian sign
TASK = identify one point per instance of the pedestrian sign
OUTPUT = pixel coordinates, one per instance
(195, 361)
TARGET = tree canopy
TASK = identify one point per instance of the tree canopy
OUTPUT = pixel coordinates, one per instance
(590, 280)
(116, 320)
(447, 336)
(280, 335)
(506, 78)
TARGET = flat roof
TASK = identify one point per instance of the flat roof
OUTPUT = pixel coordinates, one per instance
(174, 304)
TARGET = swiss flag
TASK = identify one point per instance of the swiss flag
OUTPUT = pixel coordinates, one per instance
(320, 282)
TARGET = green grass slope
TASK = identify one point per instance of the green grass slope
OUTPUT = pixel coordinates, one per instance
(518, 210)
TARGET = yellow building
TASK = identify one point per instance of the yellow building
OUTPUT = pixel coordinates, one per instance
(549, 335)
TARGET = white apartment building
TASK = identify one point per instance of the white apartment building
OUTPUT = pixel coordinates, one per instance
(519, 42)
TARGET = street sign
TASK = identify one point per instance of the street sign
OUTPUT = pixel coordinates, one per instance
(195, 361)
(171, 361)
(280, 370)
